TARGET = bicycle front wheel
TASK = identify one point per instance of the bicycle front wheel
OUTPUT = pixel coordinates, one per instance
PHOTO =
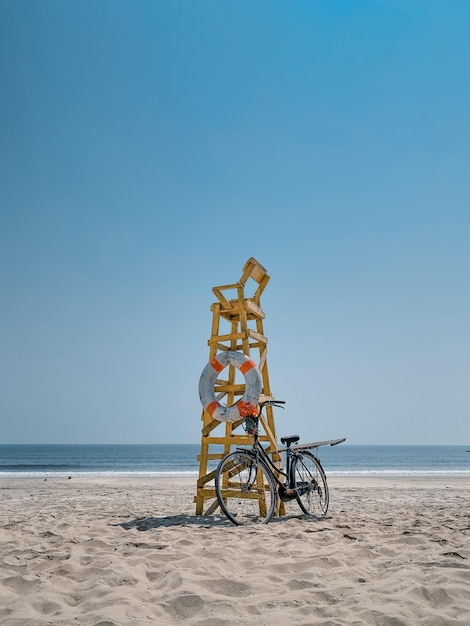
(245, 489)
(310, 484)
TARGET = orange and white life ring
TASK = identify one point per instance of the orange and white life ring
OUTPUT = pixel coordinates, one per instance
(253, 385)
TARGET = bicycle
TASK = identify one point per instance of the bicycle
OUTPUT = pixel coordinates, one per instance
(248, 483)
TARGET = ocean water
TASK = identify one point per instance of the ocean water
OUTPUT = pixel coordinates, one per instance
(181, 460)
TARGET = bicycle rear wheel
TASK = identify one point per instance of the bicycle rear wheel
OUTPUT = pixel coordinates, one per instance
(245, 489)
(310, 484)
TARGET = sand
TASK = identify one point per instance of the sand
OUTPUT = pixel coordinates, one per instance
(132, 551)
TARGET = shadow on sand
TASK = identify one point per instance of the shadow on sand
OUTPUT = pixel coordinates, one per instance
(211, 521)
(148, 523)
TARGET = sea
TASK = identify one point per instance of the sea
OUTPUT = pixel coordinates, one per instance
(156, 460)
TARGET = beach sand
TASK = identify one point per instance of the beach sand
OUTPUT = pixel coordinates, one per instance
(132, 551)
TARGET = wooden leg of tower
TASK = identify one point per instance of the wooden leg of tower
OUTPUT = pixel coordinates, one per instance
(215, 325)
(203, 459)
(243, 321)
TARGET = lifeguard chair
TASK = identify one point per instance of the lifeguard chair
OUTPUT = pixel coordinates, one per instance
(237, 324)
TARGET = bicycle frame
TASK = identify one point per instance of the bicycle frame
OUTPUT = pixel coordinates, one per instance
(285, 490)
(258, 450)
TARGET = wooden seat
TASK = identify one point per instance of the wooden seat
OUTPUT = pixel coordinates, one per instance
(251, 270)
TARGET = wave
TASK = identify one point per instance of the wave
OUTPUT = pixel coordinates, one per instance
(22, 467)
(192, 473)
(400, 472)
(96, 474)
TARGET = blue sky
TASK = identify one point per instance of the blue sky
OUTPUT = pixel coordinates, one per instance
(149, 148)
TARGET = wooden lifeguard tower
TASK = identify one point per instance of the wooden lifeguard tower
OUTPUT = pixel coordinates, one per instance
(237, 324)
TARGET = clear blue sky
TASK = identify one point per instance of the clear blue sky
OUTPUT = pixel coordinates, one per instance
(149, 148)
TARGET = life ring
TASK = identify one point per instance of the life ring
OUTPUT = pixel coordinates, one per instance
(247, 404)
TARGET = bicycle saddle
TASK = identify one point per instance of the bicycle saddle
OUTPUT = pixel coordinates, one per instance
(290, 439)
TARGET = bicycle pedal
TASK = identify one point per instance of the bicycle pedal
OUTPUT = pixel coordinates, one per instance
(287, 494)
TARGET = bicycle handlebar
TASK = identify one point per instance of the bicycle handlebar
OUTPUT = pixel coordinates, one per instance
(278, 403)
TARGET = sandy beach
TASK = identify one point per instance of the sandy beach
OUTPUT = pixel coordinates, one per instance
(131, 551)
